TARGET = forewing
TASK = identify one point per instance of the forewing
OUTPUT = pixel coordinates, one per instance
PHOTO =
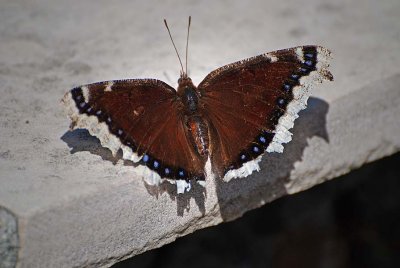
(143, 118)
(253, 103)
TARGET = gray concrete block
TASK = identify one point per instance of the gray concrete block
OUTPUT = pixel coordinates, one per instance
(74, 204)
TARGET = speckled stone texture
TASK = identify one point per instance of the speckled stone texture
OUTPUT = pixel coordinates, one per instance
(76, 205)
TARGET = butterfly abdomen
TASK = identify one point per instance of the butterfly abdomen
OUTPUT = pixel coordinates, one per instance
(198, 132)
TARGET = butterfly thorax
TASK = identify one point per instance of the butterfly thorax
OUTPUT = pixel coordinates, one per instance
(188, 95)
(195, 125)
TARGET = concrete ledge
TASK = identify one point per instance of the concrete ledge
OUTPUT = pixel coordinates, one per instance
(121, 221)
(65, 201)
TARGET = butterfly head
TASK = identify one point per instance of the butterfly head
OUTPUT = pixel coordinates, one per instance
(184, 82)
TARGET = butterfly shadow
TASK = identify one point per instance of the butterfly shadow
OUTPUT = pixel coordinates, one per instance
(80, 140)
(197, 192)
(238, 195)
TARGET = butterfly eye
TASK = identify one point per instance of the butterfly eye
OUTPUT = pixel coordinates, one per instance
(179, 80)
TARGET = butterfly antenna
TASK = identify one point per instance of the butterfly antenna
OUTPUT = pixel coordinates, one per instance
(187, 43)
(169, 32)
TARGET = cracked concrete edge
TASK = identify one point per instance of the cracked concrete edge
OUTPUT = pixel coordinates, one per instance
(9, 240)
(101, 229)
(211, 219)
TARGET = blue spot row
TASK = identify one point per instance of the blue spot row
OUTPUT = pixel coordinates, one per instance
(164, 171)
(309, 65)
(255, 149)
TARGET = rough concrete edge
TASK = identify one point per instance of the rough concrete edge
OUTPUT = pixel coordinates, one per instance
(211, 219)
(9, 238)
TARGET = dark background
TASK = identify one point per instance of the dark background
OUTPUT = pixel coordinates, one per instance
(352, 221)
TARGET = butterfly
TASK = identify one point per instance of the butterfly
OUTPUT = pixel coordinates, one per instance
(235, 115)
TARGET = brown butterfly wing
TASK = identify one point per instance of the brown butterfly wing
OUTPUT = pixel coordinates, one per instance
(143, 117)
(246, 101)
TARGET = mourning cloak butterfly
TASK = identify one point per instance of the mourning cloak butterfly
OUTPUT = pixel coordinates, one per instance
(229, 120)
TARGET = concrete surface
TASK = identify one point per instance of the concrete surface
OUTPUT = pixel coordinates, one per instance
(76, 205)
